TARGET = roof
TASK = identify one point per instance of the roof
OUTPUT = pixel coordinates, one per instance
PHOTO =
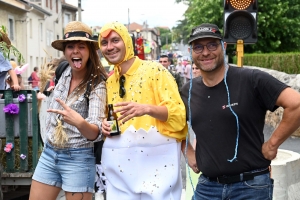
(134, 26)
(97, 27)
(15, 6)
(164, 27)
(69, 6)
(38, 8)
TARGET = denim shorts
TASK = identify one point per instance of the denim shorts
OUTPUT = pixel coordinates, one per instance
(71, 169)
(260, 188)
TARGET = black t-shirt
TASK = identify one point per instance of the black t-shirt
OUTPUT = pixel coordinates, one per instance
(252, 92)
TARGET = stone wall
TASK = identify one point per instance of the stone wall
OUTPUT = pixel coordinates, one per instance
(293, 80)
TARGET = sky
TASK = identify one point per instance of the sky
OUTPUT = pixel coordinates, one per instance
(153, 12)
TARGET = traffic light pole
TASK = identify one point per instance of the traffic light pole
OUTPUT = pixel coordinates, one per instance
(240, 52)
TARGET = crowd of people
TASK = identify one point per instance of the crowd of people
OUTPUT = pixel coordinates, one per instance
(155, 104)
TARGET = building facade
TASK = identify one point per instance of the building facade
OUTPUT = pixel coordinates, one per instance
(32, 26)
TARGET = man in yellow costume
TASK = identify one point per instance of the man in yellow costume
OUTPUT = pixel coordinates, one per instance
(144, 161)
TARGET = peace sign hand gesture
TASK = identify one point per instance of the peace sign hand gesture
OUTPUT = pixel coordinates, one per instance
(68, 115)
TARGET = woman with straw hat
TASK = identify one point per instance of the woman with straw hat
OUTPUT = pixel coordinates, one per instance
(74, 120)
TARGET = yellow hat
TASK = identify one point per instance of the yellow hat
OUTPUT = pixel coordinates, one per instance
(75, 31)
(120, 29)
(13, 64)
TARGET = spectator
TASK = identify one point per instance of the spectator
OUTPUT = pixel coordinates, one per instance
(180, 68)
(35, 79)
(166, 62)
(187, 71)
(5, 66)
(227, 108)
(9, 82)
(13, 63)
(196, 71)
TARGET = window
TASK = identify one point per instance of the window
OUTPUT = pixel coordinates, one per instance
(30, 28)
(49, 37)
(11, 28)
(67, 18)
(41, 31)
(57, 37)
(37, 61)
(51, 4)
(56, 4)
(31, 61)
(47, 3)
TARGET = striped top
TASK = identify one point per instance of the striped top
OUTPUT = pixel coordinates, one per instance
(94, 114)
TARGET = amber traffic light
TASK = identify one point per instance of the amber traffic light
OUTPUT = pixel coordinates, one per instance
(240, 21)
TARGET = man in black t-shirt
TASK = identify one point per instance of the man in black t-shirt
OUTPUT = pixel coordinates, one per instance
(227, 107)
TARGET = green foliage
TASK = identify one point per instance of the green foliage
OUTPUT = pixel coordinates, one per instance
(183, 1)
(166, 47)
(284, 62)
(198, 12)
(278, 26)
(165, 36)
(181, 32)
(204, 11)
(8, 49)
(278, 23)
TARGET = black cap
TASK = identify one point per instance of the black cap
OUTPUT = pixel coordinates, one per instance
(205, 31)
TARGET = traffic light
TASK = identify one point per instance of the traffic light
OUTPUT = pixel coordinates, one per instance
(240, 21)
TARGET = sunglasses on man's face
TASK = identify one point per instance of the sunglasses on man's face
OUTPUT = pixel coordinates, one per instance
(122, 90)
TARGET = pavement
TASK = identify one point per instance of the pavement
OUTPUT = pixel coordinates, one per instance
(292, 143)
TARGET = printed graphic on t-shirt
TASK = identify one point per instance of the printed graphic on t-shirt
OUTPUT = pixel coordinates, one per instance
(231, 105)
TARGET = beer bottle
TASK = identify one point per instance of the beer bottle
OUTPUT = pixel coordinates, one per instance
(113, 122)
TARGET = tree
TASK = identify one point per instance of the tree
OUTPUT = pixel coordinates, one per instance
(278, 26)
(183, 1)
(278, 23)
(180, 32)
(165, 36)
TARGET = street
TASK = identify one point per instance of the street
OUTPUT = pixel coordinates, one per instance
(292, 143)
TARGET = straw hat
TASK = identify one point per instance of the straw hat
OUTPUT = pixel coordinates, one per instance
(75, 31)
(4, 38)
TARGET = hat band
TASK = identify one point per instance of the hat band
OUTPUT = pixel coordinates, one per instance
(77, 34)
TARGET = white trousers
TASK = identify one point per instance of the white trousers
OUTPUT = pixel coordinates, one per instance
(141, 165)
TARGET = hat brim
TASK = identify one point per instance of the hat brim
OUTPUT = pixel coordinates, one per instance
(59, 44)
(203, 36)
(5, 39)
